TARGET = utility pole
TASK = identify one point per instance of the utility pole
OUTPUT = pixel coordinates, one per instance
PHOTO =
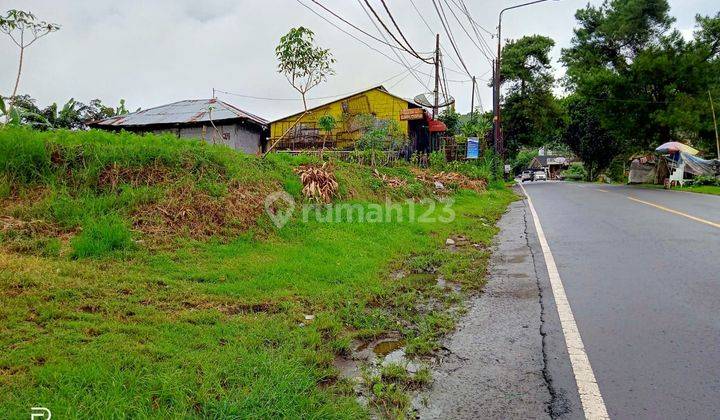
(437, 76)
(472, 98)
(496, 106)
(499, 147)
(717, 139)
(496, 92)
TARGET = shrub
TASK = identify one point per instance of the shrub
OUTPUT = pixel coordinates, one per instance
(102, 236)
(576, 172)
(704, 180)
(437, 161)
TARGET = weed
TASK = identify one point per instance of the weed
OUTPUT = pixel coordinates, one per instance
(102, 236)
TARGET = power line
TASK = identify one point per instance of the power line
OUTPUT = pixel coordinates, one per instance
(410, 51)
(352, 25)
(363, 42)
(402, 60)
(314, 98)
(470, 18)
(448, 33)
(484, 52)
(392, 19)
(433, 33)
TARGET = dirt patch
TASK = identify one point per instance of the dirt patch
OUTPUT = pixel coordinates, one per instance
(30, 227)
(187, 211)
(443, 180)
(148, 175)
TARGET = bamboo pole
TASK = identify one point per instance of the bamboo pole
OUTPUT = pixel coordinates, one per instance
(285, 133)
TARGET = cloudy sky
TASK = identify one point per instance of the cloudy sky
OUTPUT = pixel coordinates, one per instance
(155, 52)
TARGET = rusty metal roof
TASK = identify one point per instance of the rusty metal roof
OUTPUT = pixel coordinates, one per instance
(182, 112)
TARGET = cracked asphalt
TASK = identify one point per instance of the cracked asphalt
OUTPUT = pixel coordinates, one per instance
(643, 281)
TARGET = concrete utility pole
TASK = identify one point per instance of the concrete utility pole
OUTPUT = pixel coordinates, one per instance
(717, 139)
(499, 146)
(437, 76)
(472, 98)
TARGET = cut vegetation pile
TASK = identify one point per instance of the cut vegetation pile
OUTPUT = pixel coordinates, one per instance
(140, 274)
(319, 182)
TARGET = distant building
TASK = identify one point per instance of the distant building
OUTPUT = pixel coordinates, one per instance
(212, 120)
(298, 131)
(552, 165)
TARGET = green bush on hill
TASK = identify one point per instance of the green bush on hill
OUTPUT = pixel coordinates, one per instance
(576, 172)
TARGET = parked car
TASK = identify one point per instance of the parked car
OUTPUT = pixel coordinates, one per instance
(526, 176)
(539, 176)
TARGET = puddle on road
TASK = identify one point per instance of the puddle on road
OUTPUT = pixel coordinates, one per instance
(384, 348)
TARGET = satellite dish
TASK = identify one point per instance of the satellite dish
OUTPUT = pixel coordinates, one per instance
(428, 100)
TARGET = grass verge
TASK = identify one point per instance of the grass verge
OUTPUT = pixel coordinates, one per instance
(95, 316)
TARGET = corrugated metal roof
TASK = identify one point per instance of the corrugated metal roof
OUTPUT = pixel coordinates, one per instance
(188, 111)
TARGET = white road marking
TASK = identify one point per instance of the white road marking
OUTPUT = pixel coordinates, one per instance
(590, 397)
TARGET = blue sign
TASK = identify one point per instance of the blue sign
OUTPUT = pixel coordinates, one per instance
(473, 147)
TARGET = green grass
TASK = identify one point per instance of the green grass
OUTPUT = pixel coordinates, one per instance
(103, 324)
(102, 236)
(702, 189)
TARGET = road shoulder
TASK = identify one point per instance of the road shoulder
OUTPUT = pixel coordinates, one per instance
(494, 365)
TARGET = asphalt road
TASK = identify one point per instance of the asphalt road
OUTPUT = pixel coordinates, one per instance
(643, 282)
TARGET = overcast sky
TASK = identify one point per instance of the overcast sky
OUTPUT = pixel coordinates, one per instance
(155, 52)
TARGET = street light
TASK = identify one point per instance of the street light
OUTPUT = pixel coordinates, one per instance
(499, 146)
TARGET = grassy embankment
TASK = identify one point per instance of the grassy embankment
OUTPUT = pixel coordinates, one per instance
(139, 276)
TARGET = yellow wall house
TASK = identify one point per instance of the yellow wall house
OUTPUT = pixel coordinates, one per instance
(376, 101)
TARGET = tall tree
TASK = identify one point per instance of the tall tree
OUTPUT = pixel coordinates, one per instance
(645, 83)
(24, 30)
(304, 64)
(531, 113)
(587, 138)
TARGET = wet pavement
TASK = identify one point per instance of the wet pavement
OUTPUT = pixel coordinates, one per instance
(493, 365)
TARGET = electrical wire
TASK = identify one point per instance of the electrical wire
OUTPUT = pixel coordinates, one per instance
(480, 46)
(353, 25)
(370, 46)
(464, 7)
(433, 33)
(400, 58)
(449, 35)
(410, 51)
(317, 97)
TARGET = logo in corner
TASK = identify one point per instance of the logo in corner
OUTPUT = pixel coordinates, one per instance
(279, 214)
(37, 413)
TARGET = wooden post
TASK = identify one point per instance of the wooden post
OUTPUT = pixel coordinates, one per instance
(437, 75)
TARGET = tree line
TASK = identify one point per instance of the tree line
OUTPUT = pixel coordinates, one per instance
(632, 82)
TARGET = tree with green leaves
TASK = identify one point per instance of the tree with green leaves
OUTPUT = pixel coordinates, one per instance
(24, 30)
(587, 138)
(644, 82)
(303, 64)
(451, 119)
(327, 124)
(531, 115)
